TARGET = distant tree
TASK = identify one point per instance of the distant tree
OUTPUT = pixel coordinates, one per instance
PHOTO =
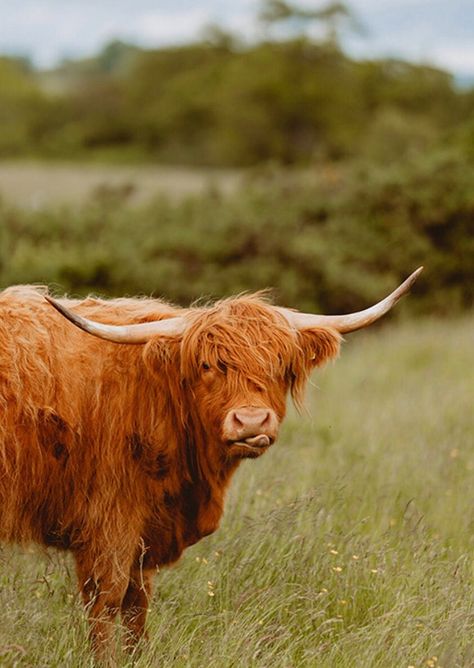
(332, 17)
(20, 99)
(116, 57)
(218, 37)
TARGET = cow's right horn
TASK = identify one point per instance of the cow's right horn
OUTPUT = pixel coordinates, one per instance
(136, 333)
(351, 321)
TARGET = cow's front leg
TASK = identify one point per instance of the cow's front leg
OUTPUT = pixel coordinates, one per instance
(103, 581)
(135, 604)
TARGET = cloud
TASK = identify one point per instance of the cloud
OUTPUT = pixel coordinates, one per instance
(166, 27)
(459, 59)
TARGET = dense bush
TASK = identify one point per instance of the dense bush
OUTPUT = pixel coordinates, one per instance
(332, 240)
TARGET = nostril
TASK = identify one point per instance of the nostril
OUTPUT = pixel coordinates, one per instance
(266, 419)
(238, 420)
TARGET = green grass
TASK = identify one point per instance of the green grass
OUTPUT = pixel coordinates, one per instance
(349, 544)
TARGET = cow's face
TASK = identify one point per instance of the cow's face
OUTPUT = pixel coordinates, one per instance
(228, 368)
(238, 362)
(242, 411)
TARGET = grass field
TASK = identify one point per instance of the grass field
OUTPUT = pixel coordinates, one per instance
(350, 544)
(33, 185)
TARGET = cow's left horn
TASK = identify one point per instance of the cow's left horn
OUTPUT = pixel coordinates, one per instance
(351, 321)
(138, 333)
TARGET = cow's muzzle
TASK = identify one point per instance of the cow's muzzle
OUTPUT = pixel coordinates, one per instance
(250, 428)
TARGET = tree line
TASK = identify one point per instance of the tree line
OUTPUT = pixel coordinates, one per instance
(220, 102)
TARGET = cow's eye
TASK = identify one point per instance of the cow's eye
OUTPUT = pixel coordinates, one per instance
(206, 366)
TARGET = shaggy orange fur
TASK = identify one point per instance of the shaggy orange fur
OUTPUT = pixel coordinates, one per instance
(114, 451)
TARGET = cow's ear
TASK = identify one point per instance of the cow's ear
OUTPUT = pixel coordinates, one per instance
(162, 352)
(316, 346)
(319, 345)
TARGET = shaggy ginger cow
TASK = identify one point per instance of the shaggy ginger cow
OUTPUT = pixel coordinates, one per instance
(122, 453)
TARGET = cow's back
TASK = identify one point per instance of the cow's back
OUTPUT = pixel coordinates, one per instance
(69, 404)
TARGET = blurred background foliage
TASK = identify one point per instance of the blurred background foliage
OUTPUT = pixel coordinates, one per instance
(355, 171)
(332, 239)
(219, 103)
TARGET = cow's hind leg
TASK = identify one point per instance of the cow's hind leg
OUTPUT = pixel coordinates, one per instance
(103, 581)
(135, 604)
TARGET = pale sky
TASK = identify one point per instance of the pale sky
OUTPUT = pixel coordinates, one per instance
(435, 31)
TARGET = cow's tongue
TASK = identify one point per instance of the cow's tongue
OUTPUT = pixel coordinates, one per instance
(260, 441)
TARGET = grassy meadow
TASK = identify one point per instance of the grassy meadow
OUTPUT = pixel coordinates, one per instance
(349, 544)
(35, 184)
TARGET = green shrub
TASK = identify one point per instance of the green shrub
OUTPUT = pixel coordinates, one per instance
(330, 241)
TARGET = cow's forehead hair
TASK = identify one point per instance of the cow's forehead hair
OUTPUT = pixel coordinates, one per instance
(245, 333)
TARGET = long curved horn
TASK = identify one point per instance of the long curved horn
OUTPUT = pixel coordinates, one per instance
(138, 333)
(352, 321)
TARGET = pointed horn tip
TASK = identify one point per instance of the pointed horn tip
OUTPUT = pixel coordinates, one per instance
(412, 278)
(52, 301)
(55, 304)
(69, 315)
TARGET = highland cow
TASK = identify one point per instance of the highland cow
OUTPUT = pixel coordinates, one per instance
(122, 453)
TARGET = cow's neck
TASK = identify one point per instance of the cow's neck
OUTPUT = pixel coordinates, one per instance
(189, 497)
(209, 480)
(190, 504)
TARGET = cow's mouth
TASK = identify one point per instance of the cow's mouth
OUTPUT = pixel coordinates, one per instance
(253, 446)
